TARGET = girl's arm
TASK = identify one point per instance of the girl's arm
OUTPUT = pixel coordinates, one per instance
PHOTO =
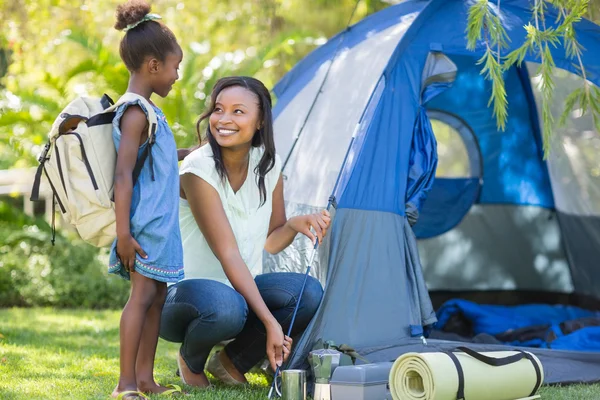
(210, 216)
(283, 231)
(133, 132)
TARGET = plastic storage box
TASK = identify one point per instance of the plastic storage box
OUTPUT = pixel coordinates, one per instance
(361, 382)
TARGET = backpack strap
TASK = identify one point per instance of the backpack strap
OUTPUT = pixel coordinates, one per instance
(152, 126)
(106, 101)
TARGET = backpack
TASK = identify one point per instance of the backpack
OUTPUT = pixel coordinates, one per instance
(78, 163)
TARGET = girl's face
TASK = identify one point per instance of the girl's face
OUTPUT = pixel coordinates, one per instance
(235, 118)
(166, 73)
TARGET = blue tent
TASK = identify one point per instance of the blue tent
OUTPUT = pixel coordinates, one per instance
(390, 120)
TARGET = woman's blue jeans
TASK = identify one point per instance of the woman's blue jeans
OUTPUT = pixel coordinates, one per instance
(200, 313)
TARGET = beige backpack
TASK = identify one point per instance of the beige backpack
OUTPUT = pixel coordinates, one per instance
(78, 163)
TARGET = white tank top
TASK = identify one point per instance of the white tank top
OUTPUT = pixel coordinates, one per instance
(249, 222)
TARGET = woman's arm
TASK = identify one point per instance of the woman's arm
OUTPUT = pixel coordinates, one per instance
(133, 126)
(210, 216)
(283, 231)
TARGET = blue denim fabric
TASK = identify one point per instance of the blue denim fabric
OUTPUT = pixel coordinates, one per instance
(154, 209)
(200, 313)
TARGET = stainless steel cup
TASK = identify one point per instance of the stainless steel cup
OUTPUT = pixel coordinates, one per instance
(293, 384)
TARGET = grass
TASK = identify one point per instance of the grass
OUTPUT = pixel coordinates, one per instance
(74, 354)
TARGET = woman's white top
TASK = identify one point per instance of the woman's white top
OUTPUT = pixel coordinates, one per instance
(249, 222)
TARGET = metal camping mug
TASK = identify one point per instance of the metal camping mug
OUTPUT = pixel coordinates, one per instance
(293, 385)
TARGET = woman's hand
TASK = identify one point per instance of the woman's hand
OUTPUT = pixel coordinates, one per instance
(127, 246)
(287, 347)
(318, 222)
(275, 344)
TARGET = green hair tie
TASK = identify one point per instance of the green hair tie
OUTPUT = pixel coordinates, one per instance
(147, 17)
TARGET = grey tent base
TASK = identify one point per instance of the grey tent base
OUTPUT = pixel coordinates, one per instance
(560, 367)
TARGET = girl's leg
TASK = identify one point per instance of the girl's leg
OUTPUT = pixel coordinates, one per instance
(280, 292)
(200, 313)
(143, 293)
(144, 366)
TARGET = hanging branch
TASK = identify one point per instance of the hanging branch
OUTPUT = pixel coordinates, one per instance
(542, 40)
(587, 97)
(484, 24)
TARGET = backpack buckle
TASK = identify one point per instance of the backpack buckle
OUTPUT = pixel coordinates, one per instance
(42, 158)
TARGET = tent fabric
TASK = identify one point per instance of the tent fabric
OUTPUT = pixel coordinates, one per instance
(295, 257)
(302, 126)
(353, 119)
(575, 153)
(515, 15)
(363, 242)
(438, 75)
(288, 86)
(448, 203)
(581, 238)
(499, 247)
(513, 169)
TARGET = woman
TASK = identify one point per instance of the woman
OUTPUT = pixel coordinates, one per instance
(231, 208)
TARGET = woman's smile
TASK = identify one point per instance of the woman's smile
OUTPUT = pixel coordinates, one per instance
(226, 132)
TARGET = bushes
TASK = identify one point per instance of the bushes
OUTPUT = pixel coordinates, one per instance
(35, 273)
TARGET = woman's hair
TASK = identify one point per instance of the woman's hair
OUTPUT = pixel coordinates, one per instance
(262, 137)
(148, 38)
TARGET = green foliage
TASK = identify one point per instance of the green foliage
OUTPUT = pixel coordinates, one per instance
(484, 23)
(4, 55)
(493, 71)
(35, 273)
(74, 354)
(62, 50)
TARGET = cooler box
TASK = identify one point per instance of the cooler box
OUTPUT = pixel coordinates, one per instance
(361, 382)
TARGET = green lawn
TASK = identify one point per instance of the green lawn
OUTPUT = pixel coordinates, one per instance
(67, 354)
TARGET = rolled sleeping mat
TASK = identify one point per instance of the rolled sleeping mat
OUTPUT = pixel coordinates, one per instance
(466, 375)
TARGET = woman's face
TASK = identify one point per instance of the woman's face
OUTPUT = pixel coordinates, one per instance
(235, 118)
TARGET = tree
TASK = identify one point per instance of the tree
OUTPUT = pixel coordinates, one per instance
(485, 24)
(61, 50)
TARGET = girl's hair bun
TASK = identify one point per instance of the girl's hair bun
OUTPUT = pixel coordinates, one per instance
(131, 12)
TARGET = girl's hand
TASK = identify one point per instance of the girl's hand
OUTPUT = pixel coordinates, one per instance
(275, 344)
(318, 222)
(127, 246)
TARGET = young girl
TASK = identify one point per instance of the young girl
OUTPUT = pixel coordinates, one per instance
(148, 248)
(232, 208)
